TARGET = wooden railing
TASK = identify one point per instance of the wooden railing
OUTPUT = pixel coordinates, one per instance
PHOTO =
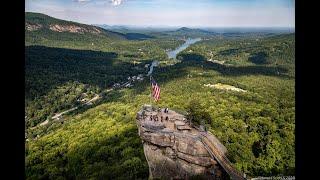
(220, 157)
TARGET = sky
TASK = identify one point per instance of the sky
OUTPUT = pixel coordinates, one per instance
(177, 13)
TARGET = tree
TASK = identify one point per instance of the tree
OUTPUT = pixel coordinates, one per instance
(197, 113)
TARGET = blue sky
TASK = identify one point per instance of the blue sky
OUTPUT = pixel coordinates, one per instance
(191, 13)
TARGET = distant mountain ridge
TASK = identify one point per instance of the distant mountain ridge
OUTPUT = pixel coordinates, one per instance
(191, 32)
(112, 27)
(42, 22)
(41, 27)
(37, 22)
(183, 31)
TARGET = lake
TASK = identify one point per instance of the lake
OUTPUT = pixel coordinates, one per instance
(173, 54)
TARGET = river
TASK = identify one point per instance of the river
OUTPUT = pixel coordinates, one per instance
(173, 54)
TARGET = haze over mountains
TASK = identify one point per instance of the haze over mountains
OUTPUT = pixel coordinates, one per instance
(38, 21)
(208, 30)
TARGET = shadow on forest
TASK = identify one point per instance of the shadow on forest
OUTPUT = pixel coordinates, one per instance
(138, 36)
(47, 68)
(165, 74)
(200, 61)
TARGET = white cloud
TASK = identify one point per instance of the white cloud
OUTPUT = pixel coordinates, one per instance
(116, 2)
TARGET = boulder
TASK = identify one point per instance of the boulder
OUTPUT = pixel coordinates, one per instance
(188, 145)
(183, 128)
(201, 161)
(162, 140)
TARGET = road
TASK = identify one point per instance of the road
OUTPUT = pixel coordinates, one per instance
(95, 98)
(57, 116)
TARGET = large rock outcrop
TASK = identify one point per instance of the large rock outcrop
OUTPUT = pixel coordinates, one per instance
(173, 149)
(32, 27)
(74, 29)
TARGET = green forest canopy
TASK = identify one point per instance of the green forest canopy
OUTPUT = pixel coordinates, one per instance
(257, 127)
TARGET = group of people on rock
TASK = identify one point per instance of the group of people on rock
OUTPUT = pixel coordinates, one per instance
(156, 118)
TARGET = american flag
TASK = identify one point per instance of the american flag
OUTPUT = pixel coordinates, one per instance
(155, 90)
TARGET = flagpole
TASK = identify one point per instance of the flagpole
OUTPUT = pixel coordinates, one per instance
(150, 91)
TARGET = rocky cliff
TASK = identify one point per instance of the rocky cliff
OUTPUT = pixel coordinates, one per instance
(74, 29)
(173, 149)
(63, 28)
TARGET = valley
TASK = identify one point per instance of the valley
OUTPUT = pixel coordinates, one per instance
(242, 84)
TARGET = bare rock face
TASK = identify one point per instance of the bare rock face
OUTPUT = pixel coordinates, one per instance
(73, 29)
(32, 27)
(188, 145)
(173, 149)
(162, 140)
(198, 160)
(63, 28)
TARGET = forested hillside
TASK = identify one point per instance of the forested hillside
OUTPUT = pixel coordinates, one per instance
(276, 50)
(62, 66)
(100, 141)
